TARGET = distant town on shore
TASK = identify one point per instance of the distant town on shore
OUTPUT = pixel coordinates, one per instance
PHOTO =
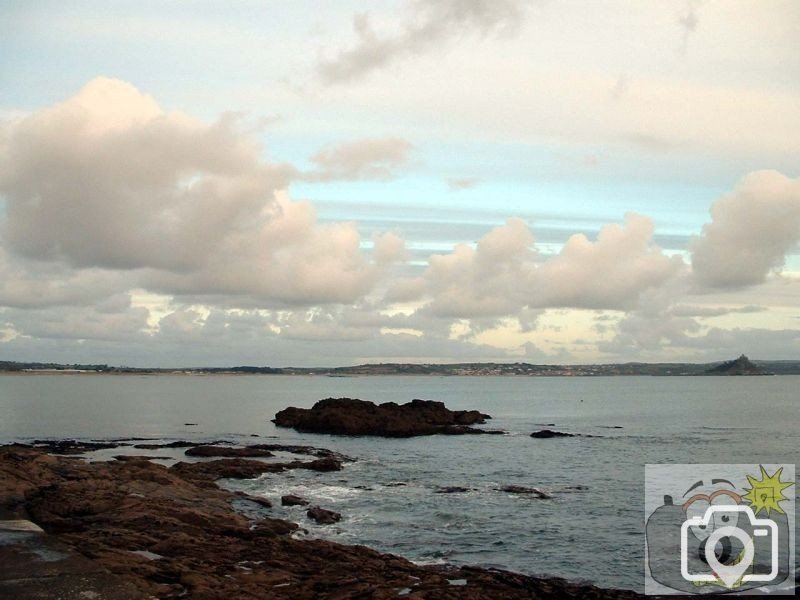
(739, 366)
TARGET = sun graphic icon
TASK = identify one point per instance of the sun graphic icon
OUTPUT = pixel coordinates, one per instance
(766, 493)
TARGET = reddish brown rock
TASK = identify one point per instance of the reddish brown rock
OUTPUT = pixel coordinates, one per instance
(243, 468)
(142, 526)
(347, 416)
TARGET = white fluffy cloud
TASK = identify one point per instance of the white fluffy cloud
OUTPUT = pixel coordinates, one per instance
(109, 180)
(751, 231)
(109, 197)
(504, 273)
(611, 272)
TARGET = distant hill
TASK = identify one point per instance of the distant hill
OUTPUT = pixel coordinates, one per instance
(740, 366)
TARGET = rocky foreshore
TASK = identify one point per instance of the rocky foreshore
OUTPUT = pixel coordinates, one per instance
(350, 416)
(136, 529)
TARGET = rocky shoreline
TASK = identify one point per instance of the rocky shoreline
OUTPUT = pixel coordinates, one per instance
(131, 528)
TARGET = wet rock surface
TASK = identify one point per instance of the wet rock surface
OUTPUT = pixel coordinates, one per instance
(73, 446)
(244, 468)
(348, 416)
(292, 500)
(323, 516)
(136, 529)
(451, 489)
(530, 491)
(550, 433)
(227, 451)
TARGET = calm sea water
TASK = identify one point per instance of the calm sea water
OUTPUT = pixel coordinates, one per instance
(593, 534)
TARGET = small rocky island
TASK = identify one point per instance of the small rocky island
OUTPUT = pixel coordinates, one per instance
(740, 366)
(349, 416)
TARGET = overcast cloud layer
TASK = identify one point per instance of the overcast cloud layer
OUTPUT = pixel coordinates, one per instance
(133, 231)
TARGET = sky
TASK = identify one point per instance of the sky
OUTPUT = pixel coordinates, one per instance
(331, 183)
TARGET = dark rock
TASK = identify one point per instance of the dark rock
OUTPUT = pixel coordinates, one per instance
(227, 451)
(178, 444)
(575, 488)
(549, 433)
(190, 424)
(518, 489)
(260, 500)
(75, 446)
(347, 416)
(323, 516)
(292, 500)
(452, 489)
(324, 464)
(243, 468)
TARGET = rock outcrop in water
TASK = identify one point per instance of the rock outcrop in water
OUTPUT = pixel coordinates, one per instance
(348, 416)
(323, 516)
(129, 530)
(549, 433)
(544, 434)
(228, 452)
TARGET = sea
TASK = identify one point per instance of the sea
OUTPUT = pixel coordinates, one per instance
(590, 530)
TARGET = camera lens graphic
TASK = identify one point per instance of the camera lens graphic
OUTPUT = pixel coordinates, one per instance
(723, 550)
(730, 574)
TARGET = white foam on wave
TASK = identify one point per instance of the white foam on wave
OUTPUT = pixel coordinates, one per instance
(311, 492)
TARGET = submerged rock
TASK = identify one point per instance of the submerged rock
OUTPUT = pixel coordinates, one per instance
(549, 433)
(451, 489)
(518, 489)
(227, 451)
(323, 516)
(74, 446)
(348, 416)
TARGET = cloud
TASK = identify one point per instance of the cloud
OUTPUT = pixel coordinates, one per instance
(505, 273)
(374, 159)
(111, 321)
(389, 248)
(108, 179)
(431, 23)
(751, 231)
(33, 284)
(690, 310)
(456, 184)
(488, 280)
(688, 22)
(611, 272)
(107, 182)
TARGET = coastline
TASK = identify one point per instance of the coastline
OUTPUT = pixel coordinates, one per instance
(172, 531)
